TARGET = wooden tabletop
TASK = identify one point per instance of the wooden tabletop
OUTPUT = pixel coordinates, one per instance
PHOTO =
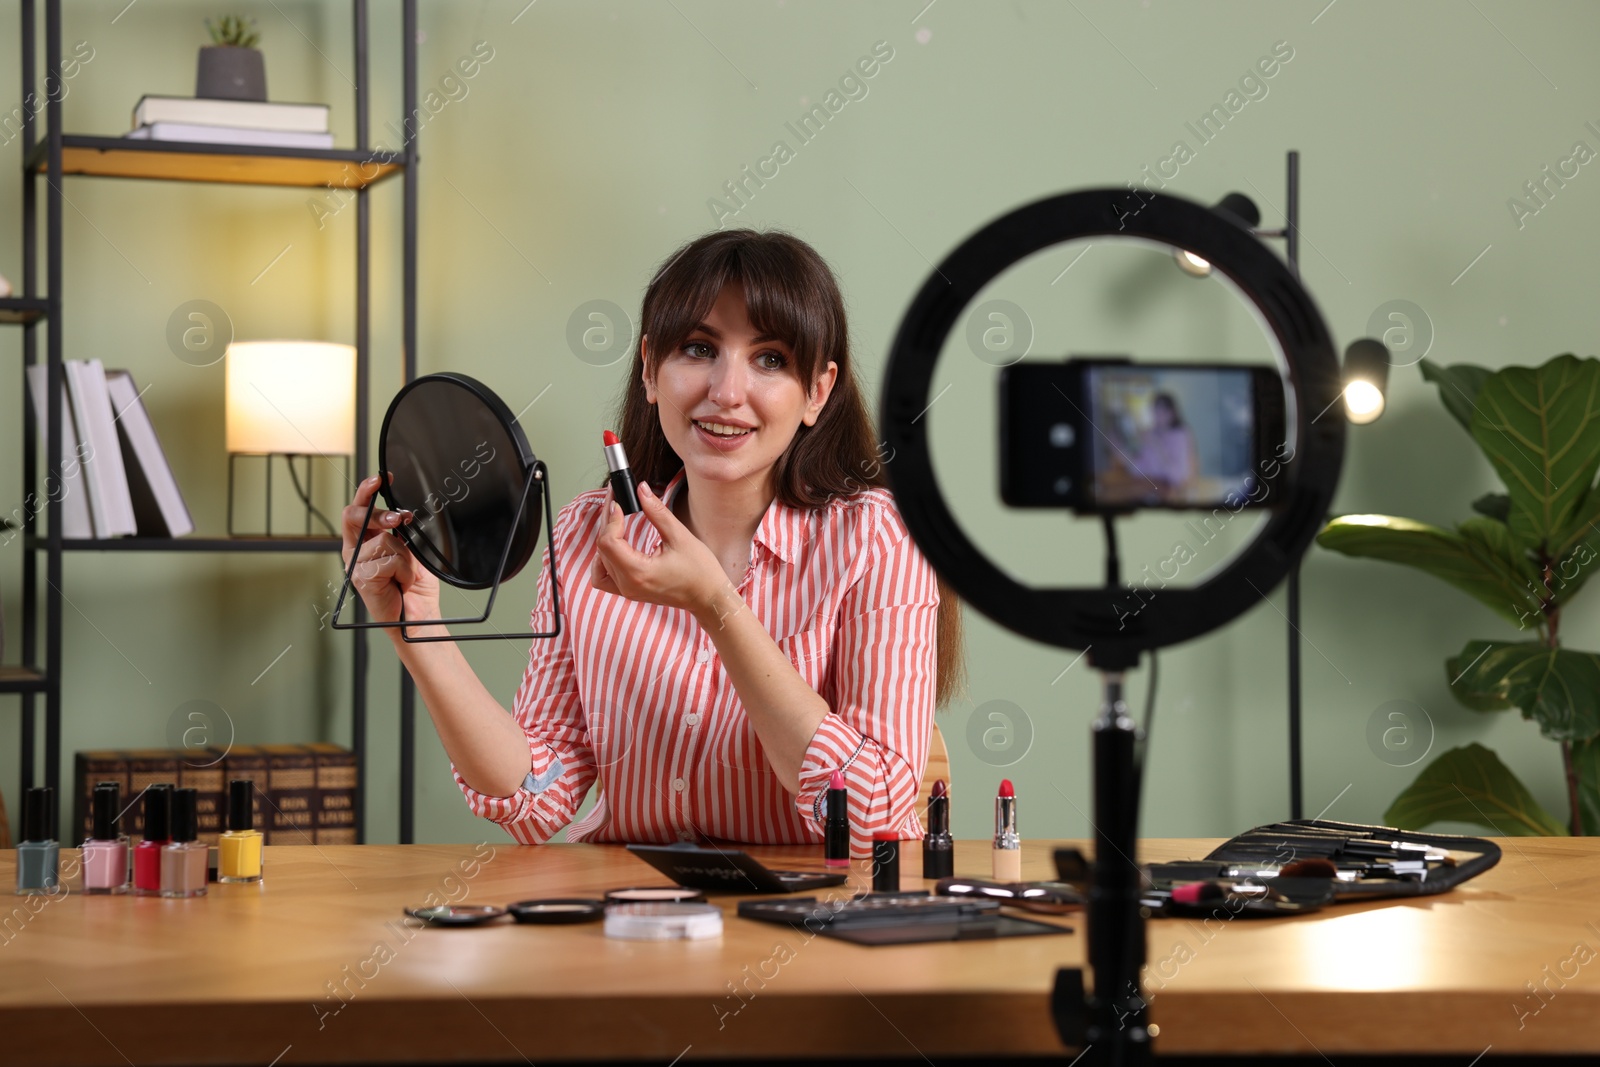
(316, 966)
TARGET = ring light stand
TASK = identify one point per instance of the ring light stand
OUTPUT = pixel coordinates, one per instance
(1112, 1019)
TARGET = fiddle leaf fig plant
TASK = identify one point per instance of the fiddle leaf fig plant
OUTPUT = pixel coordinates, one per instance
(1524, 554)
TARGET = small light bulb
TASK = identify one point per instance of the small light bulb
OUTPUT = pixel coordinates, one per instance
(1362, 402)
(1191, 263)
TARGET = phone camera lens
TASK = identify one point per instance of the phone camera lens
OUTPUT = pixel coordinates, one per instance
(1062, 435)
(1063, 486)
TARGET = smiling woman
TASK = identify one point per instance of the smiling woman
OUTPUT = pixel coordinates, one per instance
(763, 622)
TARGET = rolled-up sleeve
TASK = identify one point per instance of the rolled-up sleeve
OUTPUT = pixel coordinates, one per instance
(561, 764)
(884, 667)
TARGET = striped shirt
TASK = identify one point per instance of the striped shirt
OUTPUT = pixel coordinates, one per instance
(635, 694)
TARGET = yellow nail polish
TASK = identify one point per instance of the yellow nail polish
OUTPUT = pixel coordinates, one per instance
(239, 847)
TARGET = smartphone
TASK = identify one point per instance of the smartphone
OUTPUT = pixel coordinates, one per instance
(1100, 435)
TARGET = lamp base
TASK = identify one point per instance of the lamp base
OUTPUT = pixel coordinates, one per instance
(304, 494)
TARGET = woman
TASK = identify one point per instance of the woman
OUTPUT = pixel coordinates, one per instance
(763, 622)
(1165, 457)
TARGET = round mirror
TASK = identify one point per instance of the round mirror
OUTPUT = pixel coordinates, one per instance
(460, 464)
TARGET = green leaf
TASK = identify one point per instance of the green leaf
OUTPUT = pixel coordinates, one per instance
(1479, 560)
(1463, 688)
(1458, 388)
(1557, 688)
(1540, 428)
(1494, 505)
(1586, 761)
(1576, 550)
(1471, 785)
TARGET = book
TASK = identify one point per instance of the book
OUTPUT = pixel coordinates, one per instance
(336, 794)
(305, 794)
(239, 135)
(292, 784)
(158, 506)
(89, 770)
(110, 502)
(252, 114)
(74, 492)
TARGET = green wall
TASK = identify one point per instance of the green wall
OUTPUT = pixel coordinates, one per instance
(587, 149)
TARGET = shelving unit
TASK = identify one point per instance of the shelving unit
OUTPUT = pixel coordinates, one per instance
(60, 154)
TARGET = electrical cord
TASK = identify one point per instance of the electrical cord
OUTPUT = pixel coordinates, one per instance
(305, 498)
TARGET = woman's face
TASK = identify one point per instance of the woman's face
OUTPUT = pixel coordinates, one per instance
(1164, 415)
(731, 401)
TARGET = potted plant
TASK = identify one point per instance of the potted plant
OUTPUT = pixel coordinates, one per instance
(230, 67)
(1525, 554)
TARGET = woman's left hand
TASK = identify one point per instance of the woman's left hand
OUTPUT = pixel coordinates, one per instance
(683, 573)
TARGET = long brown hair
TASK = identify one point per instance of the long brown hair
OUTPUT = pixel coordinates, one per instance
(791, 294)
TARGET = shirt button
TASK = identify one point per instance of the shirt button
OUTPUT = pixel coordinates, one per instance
(679, 784)
(691, 719)
(704, 656)
(685, 835)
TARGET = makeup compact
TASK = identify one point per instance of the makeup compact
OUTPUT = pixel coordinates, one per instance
(663, 922)
(457, 914)
(655, 894)
(558, 911)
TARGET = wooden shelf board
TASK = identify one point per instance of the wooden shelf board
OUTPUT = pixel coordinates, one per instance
(117, 157)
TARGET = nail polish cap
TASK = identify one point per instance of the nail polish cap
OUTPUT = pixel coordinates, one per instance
(158, 812)
(241, 804)
(36, 814)
(107, 806)
(185, 825)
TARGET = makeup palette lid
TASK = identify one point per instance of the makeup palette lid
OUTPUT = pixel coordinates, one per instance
(663, 922)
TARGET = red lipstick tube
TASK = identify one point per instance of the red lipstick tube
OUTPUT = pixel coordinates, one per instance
(621, 475)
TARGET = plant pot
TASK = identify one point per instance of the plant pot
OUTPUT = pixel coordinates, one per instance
(228, 72)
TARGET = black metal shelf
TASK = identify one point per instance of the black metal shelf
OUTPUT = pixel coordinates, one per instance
(53, 156)
(193, 161)
(22, 680)
(189, 544)
(23, 310)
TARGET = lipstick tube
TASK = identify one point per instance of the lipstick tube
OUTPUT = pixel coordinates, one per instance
(836, 840)
(621, 475)
(1007, 842)
(938, 847)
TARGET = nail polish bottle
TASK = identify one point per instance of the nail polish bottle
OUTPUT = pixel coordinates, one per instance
(105, 854)
(239, 846)
(183, 859)
(38, 855)
(157, 825)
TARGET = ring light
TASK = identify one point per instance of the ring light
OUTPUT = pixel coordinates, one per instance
(1078, 618)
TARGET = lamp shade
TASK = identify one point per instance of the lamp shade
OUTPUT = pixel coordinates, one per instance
(291, 397)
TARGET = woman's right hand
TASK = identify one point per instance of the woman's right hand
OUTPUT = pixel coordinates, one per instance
(386, 575)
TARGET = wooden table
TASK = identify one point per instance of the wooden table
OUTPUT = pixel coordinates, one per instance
(315, 966)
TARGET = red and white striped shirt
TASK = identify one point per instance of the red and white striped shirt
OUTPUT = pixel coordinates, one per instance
(635, 693)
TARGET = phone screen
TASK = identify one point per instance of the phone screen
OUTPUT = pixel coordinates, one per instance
(1112, 435)
(1170, 436)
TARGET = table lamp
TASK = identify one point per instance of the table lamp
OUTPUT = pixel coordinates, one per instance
(295, 399)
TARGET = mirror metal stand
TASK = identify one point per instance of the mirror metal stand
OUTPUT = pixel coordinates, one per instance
(537, 474)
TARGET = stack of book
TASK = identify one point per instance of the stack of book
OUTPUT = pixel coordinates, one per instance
(305, 794)
(115, 477)
(240, 122)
